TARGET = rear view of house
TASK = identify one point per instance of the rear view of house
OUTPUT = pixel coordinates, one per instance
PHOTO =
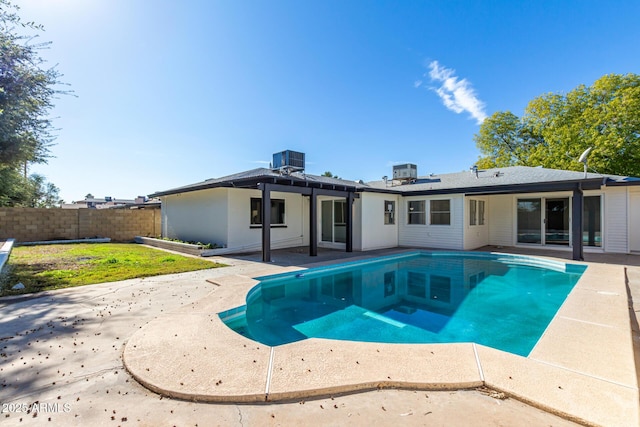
(512, 206)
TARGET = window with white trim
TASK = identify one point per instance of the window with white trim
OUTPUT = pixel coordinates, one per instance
(416, 212)
(476, 212)
(440, 212)
(389, 212)
(480, 212)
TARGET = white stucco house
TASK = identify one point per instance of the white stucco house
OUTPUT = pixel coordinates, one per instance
(512, 206)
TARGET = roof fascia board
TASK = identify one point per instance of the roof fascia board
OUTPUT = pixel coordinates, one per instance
(379, 190)
(293, 186)
(622, 183)
(588, 184)
(189, 189)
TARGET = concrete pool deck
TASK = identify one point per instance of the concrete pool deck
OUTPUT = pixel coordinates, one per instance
(583, 368)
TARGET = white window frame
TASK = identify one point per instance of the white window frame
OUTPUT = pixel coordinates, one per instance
(412, 211)
(389, 212)
(432, 212)
(477, 215)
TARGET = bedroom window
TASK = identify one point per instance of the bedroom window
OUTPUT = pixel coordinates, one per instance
(277, 211)
(440, 212)
(417, 214)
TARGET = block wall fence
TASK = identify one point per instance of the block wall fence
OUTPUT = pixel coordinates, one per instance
(121, 225)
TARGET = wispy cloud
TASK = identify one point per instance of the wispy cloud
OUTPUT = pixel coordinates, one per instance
(456, 94)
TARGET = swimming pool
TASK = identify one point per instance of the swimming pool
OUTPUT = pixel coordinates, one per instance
(501, 301)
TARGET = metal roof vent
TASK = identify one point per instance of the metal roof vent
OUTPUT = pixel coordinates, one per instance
(288, 161)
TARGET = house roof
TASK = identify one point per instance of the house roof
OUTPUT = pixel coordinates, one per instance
(506, 179)
(250, 179)
(498, 180)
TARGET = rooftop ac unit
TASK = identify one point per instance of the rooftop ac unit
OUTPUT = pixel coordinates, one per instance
(288, 159)
(405, 172)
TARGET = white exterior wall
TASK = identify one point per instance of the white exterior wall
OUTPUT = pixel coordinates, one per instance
(502, 219)
(357, 224)
(503, 223)
(615, 220)
(476, 236)
(199, 216)
(243, 236)
(369, 213)
(432, 236)
(634, 219)
(222, 216)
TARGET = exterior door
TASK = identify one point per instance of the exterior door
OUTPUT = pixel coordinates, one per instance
(334, 221)
(530, 221)
(556, 223)
(548, 226)
(592, 221)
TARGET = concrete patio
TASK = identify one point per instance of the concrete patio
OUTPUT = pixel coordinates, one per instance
(66, 347)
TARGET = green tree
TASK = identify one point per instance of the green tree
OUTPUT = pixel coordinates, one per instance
(13, 188)
(42, 194)
(27, 88)
(31, 192)
(330, 175)
(555, 129)
(500, 140)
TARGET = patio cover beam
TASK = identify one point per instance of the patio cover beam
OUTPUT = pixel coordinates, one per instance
(539, 187)
(306, 191)
(266, 223)
(349, 242)
(313, 223)
(576, 224)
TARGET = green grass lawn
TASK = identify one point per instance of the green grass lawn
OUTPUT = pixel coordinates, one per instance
(47, 267)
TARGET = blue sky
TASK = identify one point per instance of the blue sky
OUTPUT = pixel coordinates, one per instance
(174, 92)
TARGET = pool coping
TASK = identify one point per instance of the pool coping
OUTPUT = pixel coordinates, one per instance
(582, 367)
(6, 246)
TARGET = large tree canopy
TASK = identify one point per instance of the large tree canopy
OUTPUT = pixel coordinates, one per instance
(26, 91)
(555, 129)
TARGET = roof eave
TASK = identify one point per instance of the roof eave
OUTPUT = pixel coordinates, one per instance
(253, 183)
(542, 187)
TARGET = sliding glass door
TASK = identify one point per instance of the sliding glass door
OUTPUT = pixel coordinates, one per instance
(333, 221)
(550, 227)
(591, 221)
(556, 230)
(529, 221)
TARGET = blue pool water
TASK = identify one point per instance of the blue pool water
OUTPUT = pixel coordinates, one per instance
(501, 301)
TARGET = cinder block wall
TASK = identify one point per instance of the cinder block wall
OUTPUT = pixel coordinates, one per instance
(121, 225)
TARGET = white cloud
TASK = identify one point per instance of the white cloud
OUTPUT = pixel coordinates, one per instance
(417, 83)
(456, 94)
